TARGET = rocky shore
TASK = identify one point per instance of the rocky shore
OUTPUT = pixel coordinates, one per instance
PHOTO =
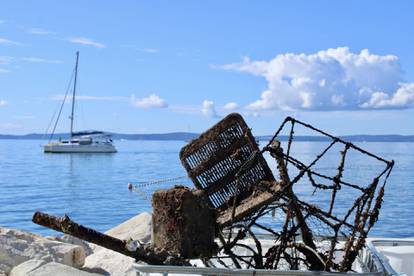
(24, 253)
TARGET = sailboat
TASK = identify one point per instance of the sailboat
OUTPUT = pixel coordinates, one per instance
(79, 142)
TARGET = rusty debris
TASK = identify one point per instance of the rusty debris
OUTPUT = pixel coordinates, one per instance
(182, 223)
(144, 253)
(226, 163)
(318, 218)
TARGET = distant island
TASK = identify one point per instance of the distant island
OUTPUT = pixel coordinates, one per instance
(187, 136)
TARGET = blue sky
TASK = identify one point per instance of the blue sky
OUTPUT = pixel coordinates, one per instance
(164, 66)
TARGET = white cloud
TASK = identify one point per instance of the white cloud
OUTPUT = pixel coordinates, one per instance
(90, 98)
(144, 50)
(251, 113)
(403, 97)
(38, 31)
(5, 41)
(208, 109)
(10, 126)
(40, 60)
(127, 46)
(5, 60)
(148, 50)
(185, 109)
(4, 71)
(152, 101)
(86, 41)
(24, 117)
(231, 106)
(333, 79)
(3, 102)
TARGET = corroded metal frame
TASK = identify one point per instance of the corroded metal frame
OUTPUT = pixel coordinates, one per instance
(296, 244)
(223, 159)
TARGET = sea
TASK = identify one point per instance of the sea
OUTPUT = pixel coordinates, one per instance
(93, 188)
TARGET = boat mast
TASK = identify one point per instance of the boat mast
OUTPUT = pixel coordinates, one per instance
(73, 95)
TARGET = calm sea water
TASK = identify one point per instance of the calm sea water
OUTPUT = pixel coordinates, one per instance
(92, 188)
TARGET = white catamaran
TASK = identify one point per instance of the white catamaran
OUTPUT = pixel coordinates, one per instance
(85, 141)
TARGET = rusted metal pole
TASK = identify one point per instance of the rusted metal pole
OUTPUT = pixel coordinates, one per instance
(67, 226)
(285, 182)
(306, 233)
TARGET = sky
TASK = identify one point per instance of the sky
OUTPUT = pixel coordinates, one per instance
(168, 66)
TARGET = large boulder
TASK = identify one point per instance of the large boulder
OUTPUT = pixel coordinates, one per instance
(43, 268)
(109, 262)
(17, 247)
(136, 228)
(87, 247)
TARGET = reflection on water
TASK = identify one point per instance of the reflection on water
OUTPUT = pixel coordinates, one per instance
(92, 188)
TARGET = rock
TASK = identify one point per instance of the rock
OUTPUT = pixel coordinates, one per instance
(33, 255)
(41, 268)
(111, 262)
(136, 228)
(2, 272)
(27, 267)
(17, 247)
(4, 269)
(87, 247)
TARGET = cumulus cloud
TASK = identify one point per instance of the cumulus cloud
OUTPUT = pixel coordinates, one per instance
(86, 41)
(333, 79)
(3, 102)
(403, 97)
(152, 101)
(208, 109)
(231, 106)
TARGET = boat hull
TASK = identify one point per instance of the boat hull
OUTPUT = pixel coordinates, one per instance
(76, 148)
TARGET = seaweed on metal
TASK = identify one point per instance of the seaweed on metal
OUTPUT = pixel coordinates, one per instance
(227, 163)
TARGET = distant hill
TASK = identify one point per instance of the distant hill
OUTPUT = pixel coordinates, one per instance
(351, 138)
(186, 136)
(174, 136)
